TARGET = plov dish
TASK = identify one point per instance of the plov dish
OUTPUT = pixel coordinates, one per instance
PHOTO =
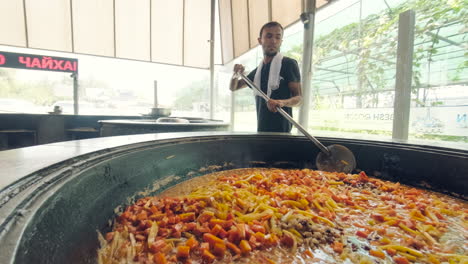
(263, 215)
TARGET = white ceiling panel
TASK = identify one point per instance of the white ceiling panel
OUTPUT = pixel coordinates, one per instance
(240, 27)
(164, 31)
(49, 24)
(197, 34)
(167, 31)
(321, 3)
(12, 30)
(225, 18)
(258, 16)
(93, 27)
(132, 29)
(286, 12)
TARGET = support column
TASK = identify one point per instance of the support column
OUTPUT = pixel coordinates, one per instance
(212, 49)
(75, 93)
(404, 71)
(155, 95)
(233, 112)
(308, 19)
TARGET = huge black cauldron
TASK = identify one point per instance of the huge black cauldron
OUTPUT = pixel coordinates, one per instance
(52, 215)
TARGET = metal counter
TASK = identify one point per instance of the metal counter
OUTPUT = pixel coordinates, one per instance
(143, 126)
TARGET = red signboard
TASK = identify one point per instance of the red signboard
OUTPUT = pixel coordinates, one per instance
(37, 62)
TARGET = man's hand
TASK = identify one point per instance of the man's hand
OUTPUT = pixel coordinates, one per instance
(238, 68)
(235, 82)
(273, 104)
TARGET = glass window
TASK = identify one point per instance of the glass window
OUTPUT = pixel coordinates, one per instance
(29, 91)
(243, 103)
(439, 106)
(353, 73)
(107, 86)
(354, 68)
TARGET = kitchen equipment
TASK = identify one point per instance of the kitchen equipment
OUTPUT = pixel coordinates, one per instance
(334, 158)
(157, 110)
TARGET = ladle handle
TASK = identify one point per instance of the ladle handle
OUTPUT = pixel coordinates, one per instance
(286, 115)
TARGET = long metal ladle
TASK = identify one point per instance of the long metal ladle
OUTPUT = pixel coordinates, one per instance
(334, 158)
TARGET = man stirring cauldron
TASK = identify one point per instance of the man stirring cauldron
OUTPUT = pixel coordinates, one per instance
(277, 76)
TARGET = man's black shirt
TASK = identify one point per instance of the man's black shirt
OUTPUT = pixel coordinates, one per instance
(274, 122)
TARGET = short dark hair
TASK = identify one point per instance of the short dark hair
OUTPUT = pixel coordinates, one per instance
(270, 24)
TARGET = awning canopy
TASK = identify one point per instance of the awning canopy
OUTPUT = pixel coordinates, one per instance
(164, 31)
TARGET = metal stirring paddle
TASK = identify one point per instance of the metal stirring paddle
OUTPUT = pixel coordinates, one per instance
(334, 158)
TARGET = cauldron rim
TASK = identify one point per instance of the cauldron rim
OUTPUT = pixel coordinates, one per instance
(21, 163)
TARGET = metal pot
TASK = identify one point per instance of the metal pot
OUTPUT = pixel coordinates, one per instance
(160, 111)
(51, 216)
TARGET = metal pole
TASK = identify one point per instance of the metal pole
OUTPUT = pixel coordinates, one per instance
(212, 49)
(404, 71)
(232, 112)
(287, 116)
(155, 95)
(308, 19)
(75, 92)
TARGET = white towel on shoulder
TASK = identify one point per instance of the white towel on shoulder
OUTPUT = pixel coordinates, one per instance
(273, 78)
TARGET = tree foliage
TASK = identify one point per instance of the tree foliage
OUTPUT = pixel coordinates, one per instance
(372, 43)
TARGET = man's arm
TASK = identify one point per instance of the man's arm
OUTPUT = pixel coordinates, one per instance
(296, 95)
(294, 100)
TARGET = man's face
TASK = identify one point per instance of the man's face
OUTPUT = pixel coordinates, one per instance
(271, 40)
